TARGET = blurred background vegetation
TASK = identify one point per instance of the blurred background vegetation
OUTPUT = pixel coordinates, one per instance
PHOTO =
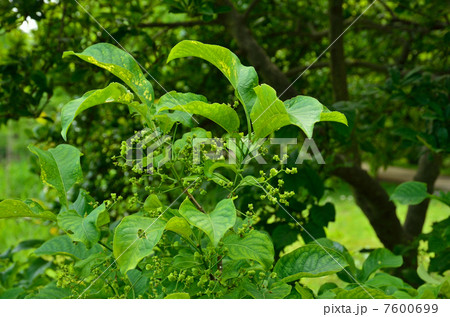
(389, 74)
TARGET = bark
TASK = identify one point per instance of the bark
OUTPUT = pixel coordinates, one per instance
(374, 202)
(337, 57)
(235, 24)
(427, 172)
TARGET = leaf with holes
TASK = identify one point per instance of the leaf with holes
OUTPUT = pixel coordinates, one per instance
(134, 239)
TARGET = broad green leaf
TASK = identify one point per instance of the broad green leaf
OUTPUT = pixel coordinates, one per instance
(360, 293)
(304, 292)
(276, 290)
(114, 93)
(139, 282)
(180, 226)
(410, 193)
(60, 168)
(381, 280)
(379, 258)
(185, 260)
(178, 296)
(122, 65)
(10, 208)
(152, 203)
(63, 245)
(84, 203)
(269, 113)
(12, 293)
(253, 246)
(242, 78)
(334, 116)
(134, 239)
(304, 112)
(309, 261)
(172, 99)
(215, 223)
(210, 166)
(51, 291)
(249, 181)
(220, 113)
(232, 268)
(84, 228)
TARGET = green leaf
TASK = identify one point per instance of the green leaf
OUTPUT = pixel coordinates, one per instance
(84, 228)
(249, 181)
(83, 204)
(63, 245)
(60, 168)
(220, 113)
(210, 166)
(180, 226)
(360, 293)
(178, 296)
(114, 93)
(122, 65)
(134, 239)
(242, 78)
(304, 112)
(269, 113)
(410, 193)
(253, 246)
(309, 261)
(334, 116)
(172, 99)
(185, 260)
(214, 224)
(152, 203)
(276, 290)
(10, 208)
(379, 258)
(51, 291)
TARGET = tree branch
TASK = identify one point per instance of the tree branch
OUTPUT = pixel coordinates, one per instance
(257, 56)
(172, 25)
(250, 8)
(350, 63)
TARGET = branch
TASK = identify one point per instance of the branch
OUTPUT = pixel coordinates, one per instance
(250, 8)
(235, 24)
(195, 202)
(172, 25)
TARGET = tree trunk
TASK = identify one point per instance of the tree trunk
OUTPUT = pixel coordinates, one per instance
(428, 172)
(337, 56)
(374, 202)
